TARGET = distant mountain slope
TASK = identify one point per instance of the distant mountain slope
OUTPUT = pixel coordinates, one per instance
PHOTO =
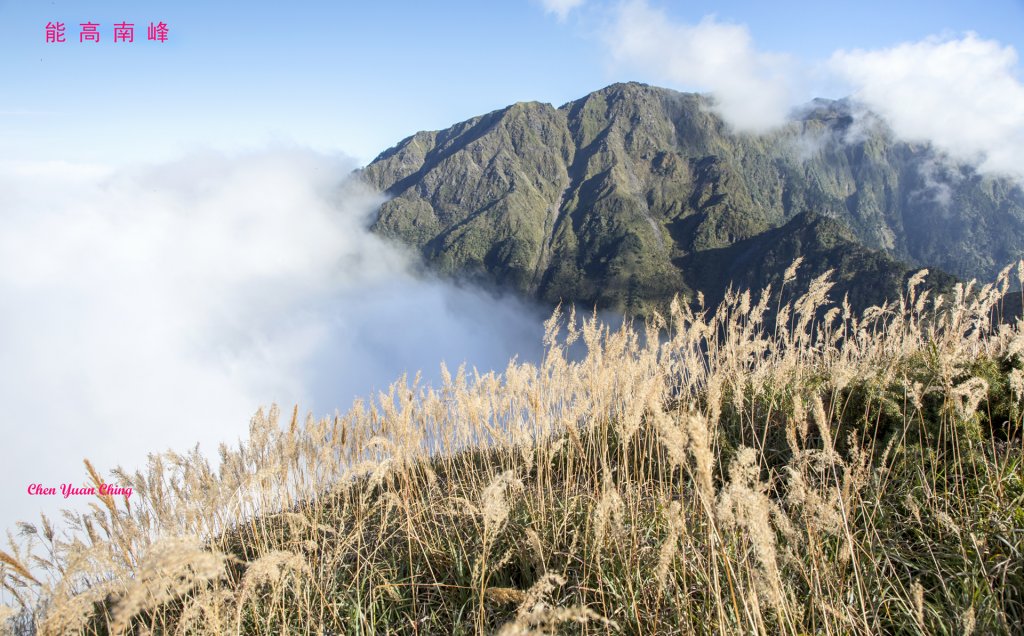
(868, 277)
(634, 193)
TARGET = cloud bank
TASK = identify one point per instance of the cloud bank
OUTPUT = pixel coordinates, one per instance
(960, 94)
(159, 307)
(753, 89)
(964, 95)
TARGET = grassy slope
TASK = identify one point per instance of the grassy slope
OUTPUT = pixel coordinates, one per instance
(858, 476)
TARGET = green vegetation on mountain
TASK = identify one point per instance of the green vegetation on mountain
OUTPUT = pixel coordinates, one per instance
(634, 193)
(867, 277)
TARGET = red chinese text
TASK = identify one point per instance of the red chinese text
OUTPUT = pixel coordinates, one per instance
(157, 32)
(124, 32)
(55, 32)
(89, 33)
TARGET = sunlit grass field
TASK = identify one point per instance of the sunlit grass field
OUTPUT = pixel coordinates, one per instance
(775, 465)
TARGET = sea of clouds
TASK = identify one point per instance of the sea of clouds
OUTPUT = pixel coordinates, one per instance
(160, 306)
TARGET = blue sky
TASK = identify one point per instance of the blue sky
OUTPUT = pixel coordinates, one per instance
(357, 77)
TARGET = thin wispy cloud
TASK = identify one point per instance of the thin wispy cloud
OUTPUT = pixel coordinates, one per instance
(561, 8)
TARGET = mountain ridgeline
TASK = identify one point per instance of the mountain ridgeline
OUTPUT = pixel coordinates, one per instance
(634, 193)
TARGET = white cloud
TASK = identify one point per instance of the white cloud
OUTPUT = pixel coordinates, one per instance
(753, 89)
(158, 307)
(963, 95)
(561, 8)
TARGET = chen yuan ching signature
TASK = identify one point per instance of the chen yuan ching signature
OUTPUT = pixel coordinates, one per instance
(69, 490)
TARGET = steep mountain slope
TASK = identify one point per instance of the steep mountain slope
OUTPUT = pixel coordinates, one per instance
(866, 276)
(634, 193)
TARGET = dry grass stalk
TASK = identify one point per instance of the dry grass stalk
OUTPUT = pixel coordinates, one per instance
(764, 467)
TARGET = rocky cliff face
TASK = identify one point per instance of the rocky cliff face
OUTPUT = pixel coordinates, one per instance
(634, 193)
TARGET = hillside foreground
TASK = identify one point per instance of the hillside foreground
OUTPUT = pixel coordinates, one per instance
(706, 473)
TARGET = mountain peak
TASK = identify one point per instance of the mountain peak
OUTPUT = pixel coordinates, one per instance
(622, 198)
